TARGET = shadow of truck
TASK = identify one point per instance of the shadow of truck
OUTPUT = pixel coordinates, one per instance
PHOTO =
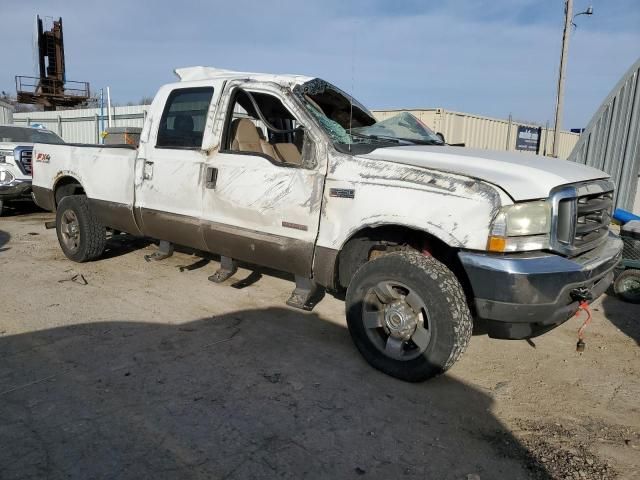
(251, 394)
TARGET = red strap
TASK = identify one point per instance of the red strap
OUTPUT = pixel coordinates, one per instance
(584, 306)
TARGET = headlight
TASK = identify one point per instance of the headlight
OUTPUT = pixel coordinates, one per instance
(5, 177)
(520, 227)
(4, 154)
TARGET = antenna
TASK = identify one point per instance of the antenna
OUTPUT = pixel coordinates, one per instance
(353, 86)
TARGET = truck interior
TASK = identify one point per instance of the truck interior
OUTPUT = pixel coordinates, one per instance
(259, 123)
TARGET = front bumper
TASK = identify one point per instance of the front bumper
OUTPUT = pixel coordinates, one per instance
(526, 295)
(16, 189)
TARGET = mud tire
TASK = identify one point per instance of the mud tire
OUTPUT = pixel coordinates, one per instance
(93, 235)
(450, 320)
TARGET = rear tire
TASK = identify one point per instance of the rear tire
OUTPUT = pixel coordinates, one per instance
(627, 285)
(81, 236)
(408, 315)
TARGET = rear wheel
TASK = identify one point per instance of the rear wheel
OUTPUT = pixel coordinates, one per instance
(81, 236)
(627, 285)
(408, 315)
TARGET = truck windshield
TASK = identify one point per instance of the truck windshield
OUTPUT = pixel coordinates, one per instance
(28, 135)
(352, 127)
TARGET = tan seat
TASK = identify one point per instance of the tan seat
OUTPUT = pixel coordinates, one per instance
(247, 139)
(288, 153)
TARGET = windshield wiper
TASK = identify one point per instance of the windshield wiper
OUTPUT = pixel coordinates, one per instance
(381, 138)
(423, 142)
(398, 139)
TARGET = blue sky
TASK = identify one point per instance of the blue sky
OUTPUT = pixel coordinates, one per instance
(479, 56)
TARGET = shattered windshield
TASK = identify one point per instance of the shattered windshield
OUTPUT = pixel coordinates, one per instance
(350, 125)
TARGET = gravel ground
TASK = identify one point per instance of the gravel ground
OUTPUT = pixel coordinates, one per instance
(123, 368)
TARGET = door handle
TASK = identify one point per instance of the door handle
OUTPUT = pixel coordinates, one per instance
(147, 172)
(211, 178)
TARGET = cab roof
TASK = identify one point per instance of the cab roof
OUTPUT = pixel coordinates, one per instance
(188, 74)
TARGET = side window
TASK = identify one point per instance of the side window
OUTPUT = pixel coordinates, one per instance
(184, 118)
(279, 138)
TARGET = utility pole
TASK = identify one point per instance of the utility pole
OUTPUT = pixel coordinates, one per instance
(568, 18)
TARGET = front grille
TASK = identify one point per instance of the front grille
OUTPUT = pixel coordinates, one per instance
(592, 219)
(25, 161)
(582, 214)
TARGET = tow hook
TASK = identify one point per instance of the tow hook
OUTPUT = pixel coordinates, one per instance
(583, 295)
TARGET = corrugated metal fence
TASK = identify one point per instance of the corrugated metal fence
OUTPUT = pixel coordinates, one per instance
(6, 113)
(83, 126)
(477, 131)
(611, 141)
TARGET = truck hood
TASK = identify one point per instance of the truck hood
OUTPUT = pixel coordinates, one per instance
(523, 176)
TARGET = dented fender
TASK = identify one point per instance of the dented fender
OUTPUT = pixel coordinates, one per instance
(364, 193)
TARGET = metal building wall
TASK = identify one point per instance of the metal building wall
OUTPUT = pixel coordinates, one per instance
(477, 131)
(611, 141)
(6, 113)
(83, 126)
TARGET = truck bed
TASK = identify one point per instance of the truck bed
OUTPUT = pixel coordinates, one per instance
(113, 165)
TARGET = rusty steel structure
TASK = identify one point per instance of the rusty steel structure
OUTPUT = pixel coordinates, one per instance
(51, 89)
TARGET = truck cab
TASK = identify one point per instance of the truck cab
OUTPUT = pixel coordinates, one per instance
(291, 173)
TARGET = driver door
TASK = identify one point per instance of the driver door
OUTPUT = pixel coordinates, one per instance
(258, 208)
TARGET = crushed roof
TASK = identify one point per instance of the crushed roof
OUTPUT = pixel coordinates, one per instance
(188, 74)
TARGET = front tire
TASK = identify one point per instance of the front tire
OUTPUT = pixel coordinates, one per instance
(81, 236)
(408, 315)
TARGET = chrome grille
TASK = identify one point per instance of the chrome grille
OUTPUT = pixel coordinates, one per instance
(581, 216)
(25, 161)
(593, 218)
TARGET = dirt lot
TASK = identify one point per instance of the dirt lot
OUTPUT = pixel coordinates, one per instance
(151, 371)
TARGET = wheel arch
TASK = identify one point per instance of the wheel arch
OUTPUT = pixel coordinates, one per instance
(370, 241)
(66, 185)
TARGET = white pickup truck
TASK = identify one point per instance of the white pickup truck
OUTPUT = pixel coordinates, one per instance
(291, 173)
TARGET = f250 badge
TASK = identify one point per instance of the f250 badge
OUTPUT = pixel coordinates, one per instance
(43, 157)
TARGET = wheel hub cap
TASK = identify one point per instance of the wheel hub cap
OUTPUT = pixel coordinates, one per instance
(70, 229)
(400, 320)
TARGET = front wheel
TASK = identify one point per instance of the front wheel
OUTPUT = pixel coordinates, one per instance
(408, 315)
(81, 236)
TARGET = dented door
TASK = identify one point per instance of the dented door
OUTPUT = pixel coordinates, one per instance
(260, 212)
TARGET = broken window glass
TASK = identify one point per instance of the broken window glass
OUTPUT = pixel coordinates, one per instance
(348, 123)
(403, 126)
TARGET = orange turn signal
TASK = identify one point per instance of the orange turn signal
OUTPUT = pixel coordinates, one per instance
(496, 244)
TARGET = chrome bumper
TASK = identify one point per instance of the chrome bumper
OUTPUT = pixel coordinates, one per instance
(17, 188)
(525, 295)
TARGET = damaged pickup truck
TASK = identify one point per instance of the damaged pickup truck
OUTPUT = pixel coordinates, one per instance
(289, 172)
